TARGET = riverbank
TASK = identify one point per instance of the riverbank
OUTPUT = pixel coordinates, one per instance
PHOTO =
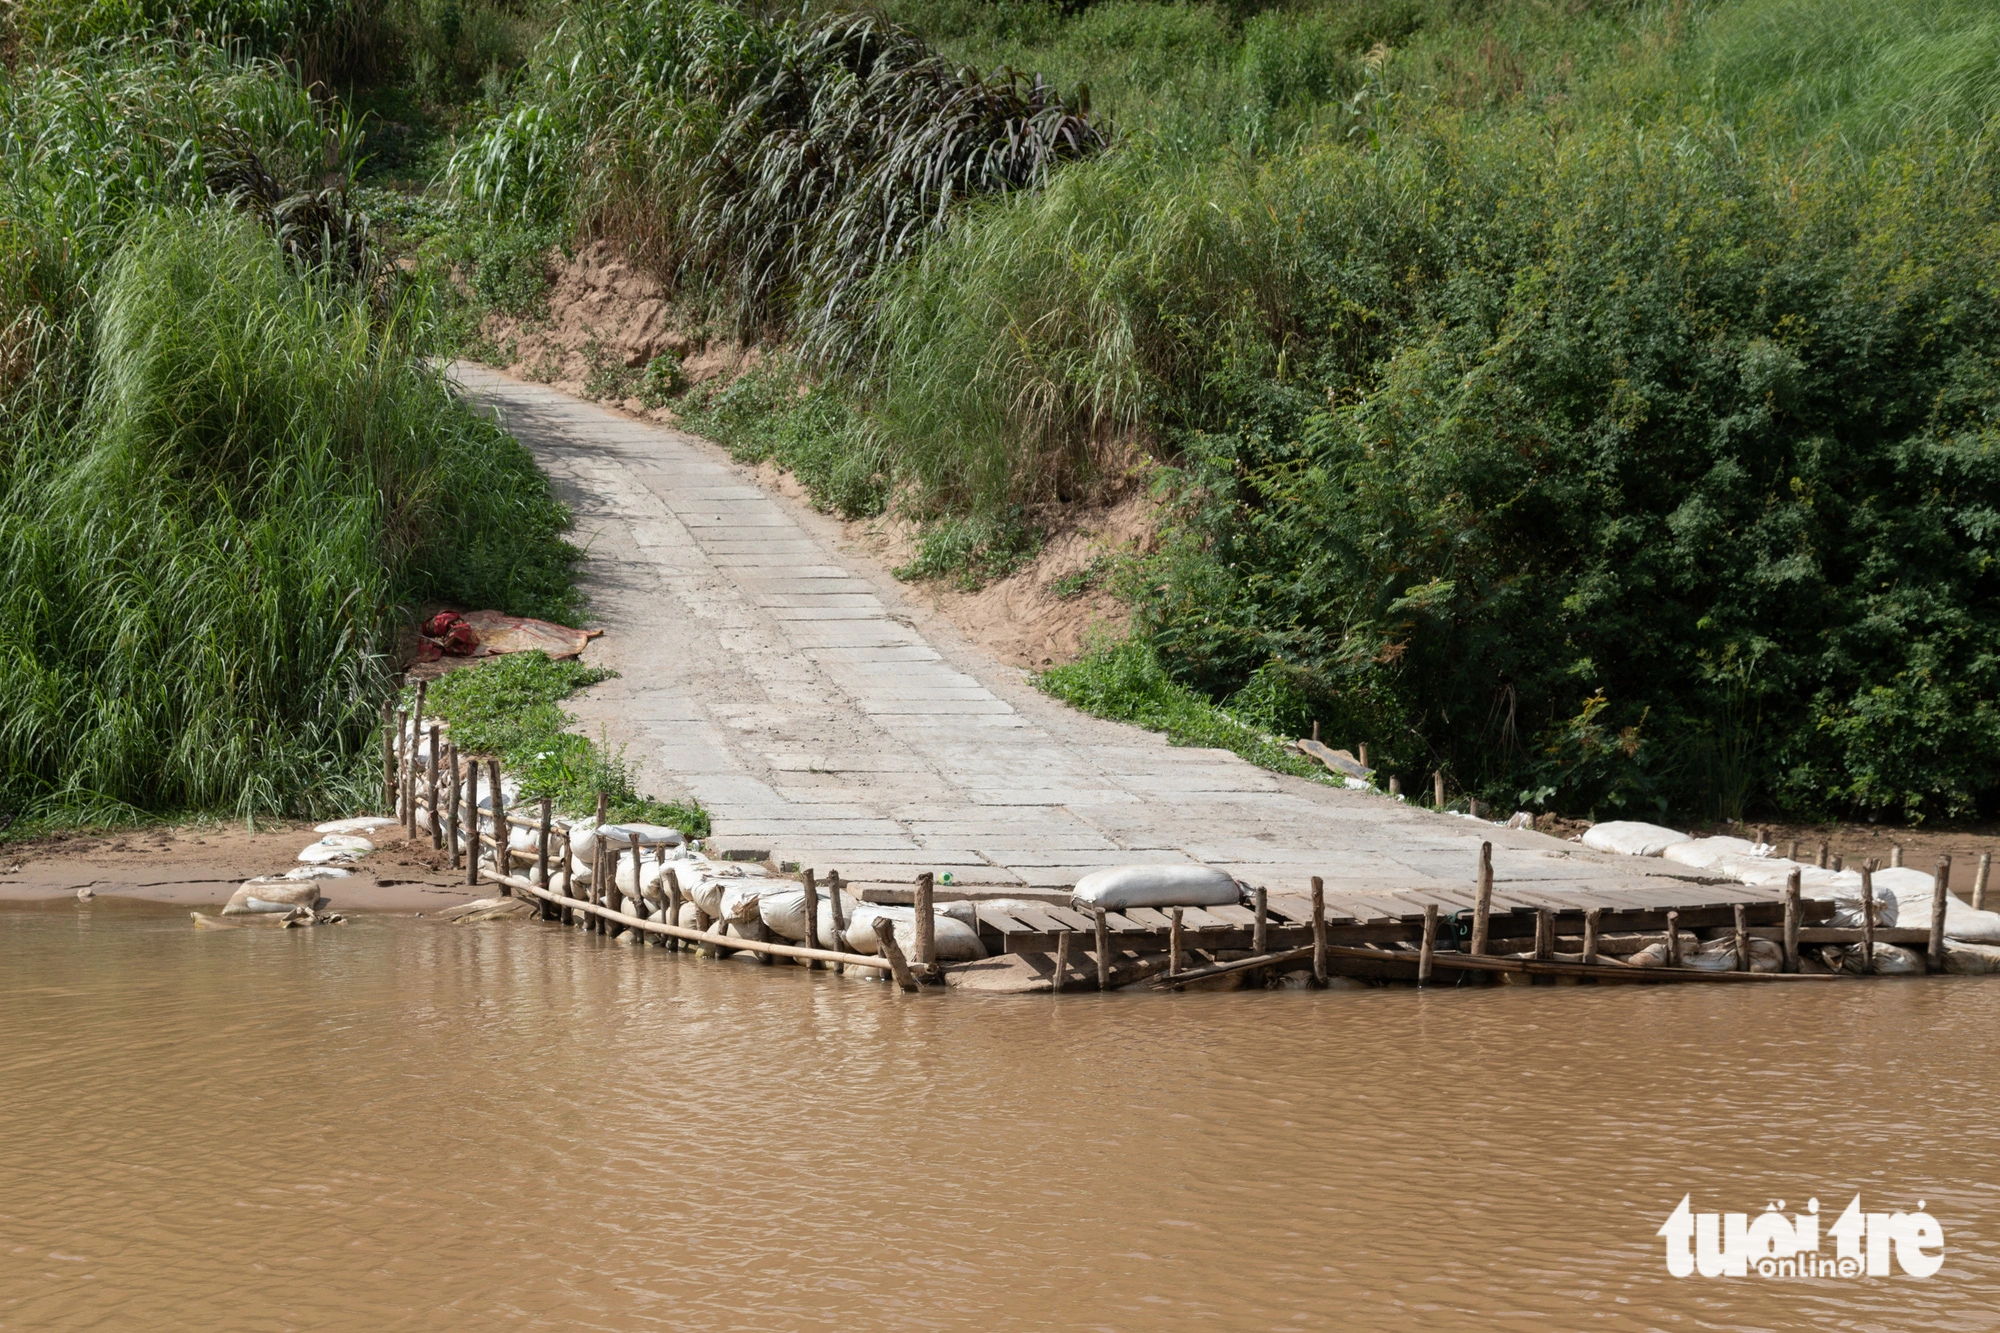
(202, 864)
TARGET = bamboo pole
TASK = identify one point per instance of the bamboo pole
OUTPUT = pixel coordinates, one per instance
(1482, 907)
(1258, 899)
(885, 939)
(431, 775)
(472, 821)
(1934, 955)
(1429, 954)
(1979, 881)
(1593, 918)
(1791, 963)
(1742, 941)
(1103, 949)
(926, 929)
(1319, 931)
(1868, 919)
(1062, 962)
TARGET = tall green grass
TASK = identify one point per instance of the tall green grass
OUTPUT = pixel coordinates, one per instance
(226, 476)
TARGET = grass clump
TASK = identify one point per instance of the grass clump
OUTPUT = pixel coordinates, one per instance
(1126, 683)
(777, 413)
(510, 708)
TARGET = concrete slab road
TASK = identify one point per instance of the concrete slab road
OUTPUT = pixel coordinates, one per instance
(823, 717)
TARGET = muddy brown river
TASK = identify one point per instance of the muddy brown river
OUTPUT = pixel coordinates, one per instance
(401, 1124)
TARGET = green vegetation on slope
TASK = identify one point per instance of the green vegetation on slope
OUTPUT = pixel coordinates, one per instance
(509, 708)
(228, 475)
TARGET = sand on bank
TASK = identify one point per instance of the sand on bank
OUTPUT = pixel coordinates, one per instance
(201, 864)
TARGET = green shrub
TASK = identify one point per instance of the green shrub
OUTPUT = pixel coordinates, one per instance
(776, 412)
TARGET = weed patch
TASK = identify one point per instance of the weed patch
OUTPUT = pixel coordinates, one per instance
(509, 708)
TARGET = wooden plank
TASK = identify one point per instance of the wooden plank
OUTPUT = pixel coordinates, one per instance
(1070, 917)
(1844, 934)
(994, 919)
(1036, 919)
(1235, 914)
(1119, 921)
(1150, 918)
(1199, 918)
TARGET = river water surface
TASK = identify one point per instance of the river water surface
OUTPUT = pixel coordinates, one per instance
(400, 1124)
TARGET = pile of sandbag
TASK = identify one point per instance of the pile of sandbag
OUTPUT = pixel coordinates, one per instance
(1116, 888)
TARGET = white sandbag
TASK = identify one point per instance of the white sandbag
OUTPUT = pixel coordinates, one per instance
(1845, 890)
(1119, 887)
(1890, 960)
(1655, 954)
(1761, 870)
(351, 841)
(359, 824)
(272, 893)
(752, 929)
(739, 903)
(707, 894)
(956, 941)
(690, 916)
(1720, 956)
(650, 835)
(582, 839)
(527, 839)
(1707, 853)
(784, 912)
(317, 872)
(1629, 837)
(320, 854)
(1971, 960)
(510, 791)
(1911, 890)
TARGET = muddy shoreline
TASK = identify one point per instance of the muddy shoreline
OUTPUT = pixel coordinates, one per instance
(201, 864)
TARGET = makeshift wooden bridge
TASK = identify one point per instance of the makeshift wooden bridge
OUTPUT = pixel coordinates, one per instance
(1426, 936)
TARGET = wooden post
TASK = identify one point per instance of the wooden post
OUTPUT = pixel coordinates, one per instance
(1545, 935)
(1437, 787)
(451, 807)
(396, 794)
(1259, 899)
(674, 909)
(1103, 949)
(1429, 952)
(597, 862)
(472, 821)
(1174, 941)
(1395, 785)
(503, 847)
(811, 887)
(431, 776)
(1793, 853)
(542, 846)
(1822, 854)
(1062, 962)
(1319, 930)
(1895, 855)
(899, 967)
(839, 915)
(1939, 888)
(1593, 918)
(926, 929)
(1361, 753)
(1840, 864)
(1791, 963)
(1742, 941)
(1315, 730)
(1979, 881)
(410, 768)
(638, 868)
(388, 757)
(1867, 918)
(1673, 939)
(1482, 906)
